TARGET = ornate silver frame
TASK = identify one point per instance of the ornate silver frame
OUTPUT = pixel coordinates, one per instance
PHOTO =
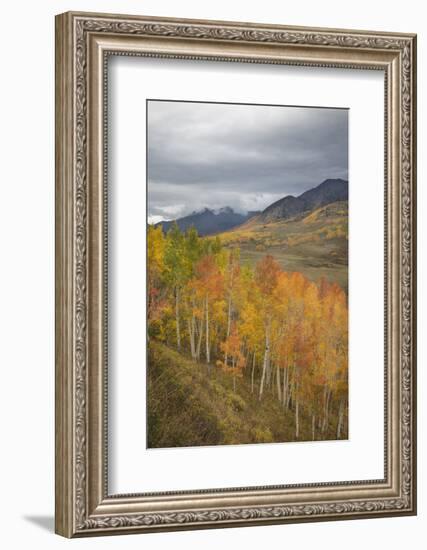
(83, 42)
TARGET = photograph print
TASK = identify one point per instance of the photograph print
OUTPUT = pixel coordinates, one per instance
(247, 274)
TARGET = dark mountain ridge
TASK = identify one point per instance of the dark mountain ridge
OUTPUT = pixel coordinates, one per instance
(329, 191)
(209, 222)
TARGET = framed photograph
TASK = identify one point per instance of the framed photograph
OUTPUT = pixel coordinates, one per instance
(235, 274)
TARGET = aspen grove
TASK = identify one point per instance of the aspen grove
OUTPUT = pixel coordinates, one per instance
(285, 335)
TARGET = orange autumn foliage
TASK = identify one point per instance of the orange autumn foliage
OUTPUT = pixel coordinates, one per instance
(292, 332)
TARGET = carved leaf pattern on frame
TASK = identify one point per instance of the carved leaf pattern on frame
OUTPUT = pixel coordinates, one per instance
(212, 31)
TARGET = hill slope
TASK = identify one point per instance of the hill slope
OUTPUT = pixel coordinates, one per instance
(314, 243)
(191, 405)
(330, 191)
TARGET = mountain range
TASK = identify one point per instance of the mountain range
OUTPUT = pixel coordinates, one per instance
(329, 191)
(209, 222)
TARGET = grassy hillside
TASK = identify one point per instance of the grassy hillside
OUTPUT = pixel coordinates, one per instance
(315, 244)
(190, 404)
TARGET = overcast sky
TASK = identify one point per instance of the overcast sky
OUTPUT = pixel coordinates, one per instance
(243, 156)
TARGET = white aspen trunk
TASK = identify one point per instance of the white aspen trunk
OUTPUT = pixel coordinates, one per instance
(229, 309)
(268, 364)
(178, 332)
(273, 374)
(265, 362)
(296, 417)
(285, 387)
(228, 325)
(279, 389)
(325, 400)
(191, 332)
(272, 381)
(208, 358)
(313, 426)
(267, 347)
(199, 343)
(326, 410)
(291, 384)
(261, 386)
(252, 374)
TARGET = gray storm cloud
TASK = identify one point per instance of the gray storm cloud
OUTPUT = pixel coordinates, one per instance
(244, 156)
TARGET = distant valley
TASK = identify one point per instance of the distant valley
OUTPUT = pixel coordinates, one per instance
(313, 243)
